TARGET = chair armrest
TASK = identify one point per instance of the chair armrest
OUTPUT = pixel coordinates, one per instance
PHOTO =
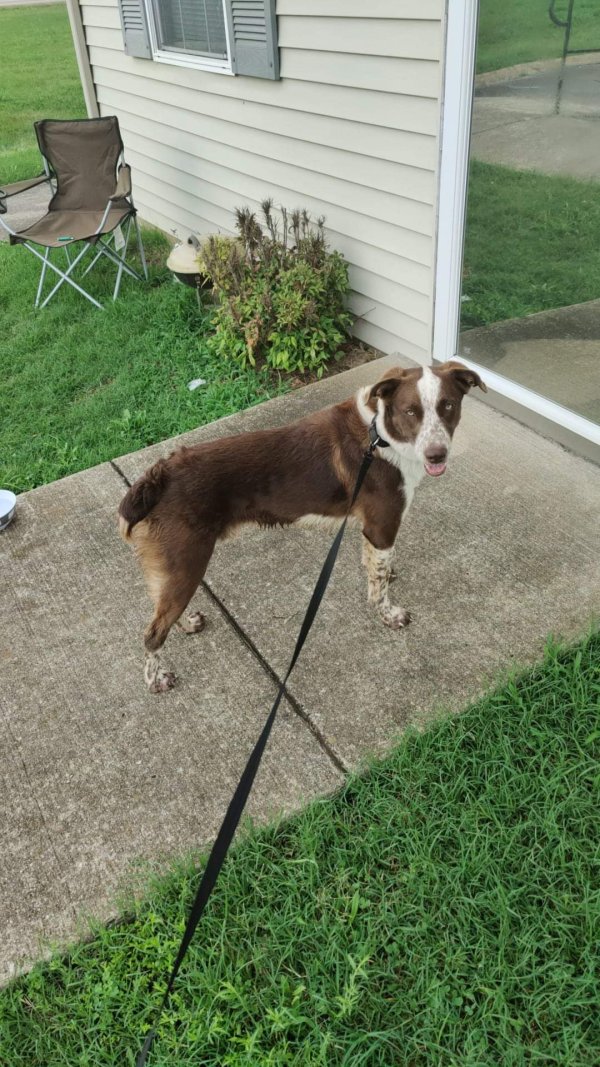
(123, 186)
(19, 187)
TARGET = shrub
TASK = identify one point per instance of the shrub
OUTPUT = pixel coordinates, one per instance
(281, 292)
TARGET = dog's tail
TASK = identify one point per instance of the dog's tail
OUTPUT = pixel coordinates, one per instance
(142, 497)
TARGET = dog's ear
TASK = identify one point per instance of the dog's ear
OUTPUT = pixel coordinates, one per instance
(387, 385)
(464, 377)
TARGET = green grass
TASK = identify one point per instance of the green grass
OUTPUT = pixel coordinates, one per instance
(38, 80)
(531, 244)
(80, 386)
(444, 908)
(519, 31)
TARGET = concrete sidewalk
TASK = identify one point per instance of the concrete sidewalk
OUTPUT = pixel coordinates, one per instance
(515, 121)
(559, 348)
(99, 775)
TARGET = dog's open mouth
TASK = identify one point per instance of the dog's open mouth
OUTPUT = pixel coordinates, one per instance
(435, 469)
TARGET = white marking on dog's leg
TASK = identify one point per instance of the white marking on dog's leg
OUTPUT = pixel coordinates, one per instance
(192, 624)
(157, 679)
(378, 563)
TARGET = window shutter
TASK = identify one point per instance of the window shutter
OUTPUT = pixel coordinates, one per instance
(253, 38)
(134, 23)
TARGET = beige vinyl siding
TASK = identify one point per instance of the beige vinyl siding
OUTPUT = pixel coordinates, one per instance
(391, 37)
(350, 132)
(364, 9)
(218, 166)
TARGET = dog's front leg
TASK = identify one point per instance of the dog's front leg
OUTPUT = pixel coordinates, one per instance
(378, 563)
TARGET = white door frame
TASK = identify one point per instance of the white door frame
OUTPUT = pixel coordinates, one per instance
(457, 105)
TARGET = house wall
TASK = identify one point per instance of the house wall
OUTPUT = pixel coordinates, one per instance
(350, 131)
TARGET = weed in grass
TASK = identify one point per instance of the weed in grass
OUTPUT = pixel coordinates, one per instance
(441, 909)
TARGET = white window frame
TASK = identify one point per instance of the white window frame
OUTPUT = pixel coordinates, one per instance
(459, 72)
(186, 59)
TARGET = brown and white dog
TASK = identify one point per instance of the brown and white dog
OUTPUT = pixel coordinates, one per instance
(302, 473)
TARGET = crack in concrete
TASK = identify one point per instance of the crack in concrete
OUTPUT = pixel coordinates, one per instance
(295, 704)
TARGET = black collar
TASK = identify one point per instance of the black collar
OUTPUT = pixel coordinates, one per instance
(374, 438)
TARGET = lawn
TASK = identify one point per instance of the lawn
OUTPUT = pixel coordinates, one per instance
(80, 386)
(38, 79)
(519, 31)
(444, 908)
(531, 244)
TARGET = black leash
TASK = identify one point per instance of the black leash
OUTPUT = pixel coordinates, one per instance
(239, 798)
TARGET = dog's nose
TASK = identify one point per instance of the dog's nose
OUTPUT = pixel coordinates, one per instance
(436, 454)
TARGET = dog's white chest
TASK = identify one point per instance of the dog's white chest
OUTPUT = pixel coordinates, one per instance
(412, 472)
(410, 467)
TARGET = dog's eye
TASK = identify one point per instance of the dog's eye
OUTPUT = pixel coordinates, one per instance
(449, 405)
(410, 411)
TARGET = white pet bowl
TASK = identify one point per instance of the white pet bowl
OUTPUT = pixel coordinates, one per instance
(8, 504)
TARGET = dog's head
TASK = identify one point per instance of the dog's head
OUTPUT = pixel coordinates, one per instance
(419, 409)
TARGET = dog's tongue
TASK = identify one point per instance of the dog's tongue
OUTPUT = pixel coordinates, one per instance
(435, 469)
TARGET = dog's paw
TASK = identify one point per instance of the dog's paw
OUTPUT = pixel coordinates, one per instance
(396, 618)
(192, 624)
(162, 682)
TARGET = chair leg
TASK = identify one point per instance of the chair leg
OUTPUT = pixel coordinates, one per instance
(42, 276)
(141, 248)
(122, 261)
(99, 253)
(101, 248)
(104, 249)
(65, 277)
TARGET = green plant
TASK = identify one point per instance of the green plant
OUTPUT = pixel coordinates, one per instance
(281, 292)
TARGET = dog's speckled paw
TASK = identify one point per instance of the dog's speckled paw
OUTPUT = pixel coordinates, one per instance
(397, 618)
(162, 682)
(192, 624)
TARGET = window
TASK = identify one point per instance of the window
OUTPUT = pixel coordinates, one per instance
(227, 36)
(193, 27)
(192, 32)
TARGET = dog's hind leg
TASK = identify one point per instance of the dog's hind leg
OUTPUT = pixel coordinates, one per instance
(168, 609)
(173, 577)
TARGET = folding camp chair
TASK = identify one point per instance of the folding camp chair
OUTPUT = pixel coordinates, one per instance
(91, 203)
